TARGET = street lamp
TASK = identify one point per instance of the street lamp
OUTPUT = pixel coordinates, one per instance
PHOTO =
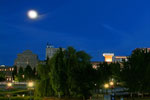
(109, 86)
(30, 87)
(30, 84)
(111, 83)
(106, 86)
(9, 85)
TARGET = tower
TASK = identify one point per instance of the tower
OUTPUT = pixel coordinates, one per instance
(108, 57)
(50, 51)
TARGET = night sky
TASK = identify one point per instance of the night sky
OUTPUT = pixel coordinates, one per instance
(95, 26)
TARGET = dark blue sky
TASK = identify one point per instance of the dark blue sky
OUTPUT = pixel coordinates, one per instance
(95, 26)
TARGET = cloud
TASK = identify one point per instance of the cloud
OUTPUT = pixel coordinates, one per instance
(126, 39)
(112, 29)
(121, 33)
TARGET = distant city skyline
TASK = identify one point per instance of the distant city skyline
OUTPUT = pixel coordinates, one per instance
(96, 27)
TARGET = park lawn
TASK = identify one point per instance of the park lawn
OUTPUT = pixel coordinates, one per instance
(14, 98)
(53, 98)
(134, 99)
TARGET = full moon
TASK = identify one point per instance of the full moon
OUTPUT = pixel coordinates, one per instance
(32, 14)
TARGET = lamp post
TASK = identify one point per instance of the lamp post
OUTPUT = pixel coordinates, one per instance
(109, 86)
(30, 87)
(111, 83)
(106, 86)
(9, 85)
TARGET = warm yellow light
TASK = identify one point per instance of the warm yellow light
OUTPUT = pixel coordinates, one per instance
(111, 83)
(9, 84)
(108, 59)
(32, 14)
(106, 86)
(23, 95)
(30, 84)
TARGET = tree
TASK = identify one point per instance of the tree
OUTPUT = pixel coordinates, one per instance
(43, 86)
(58, 74)
(28, 73)
(115, 71)
(135, 73)
(20, 76)
(105, 73)
(80, 73)
(2, 76)
(67, 74)
(14, 73)
(34, 73)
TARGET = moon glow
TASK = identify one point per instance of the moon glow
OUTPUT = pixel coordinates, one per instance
(32, 14)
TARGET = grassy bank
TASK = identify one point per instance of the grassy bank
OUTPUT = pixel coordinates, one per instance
(14, 98)
(136, 99)
(61, 99)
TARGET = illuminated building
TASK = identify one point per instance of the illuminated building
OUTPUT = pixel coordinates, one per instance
(120, 58)
(26, 58)
(108, 57)
(95, 64)
(7, 71)
(50, 51)
(145, 50)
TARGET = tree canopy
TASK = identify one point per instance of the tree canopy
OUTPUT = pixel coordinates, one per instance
(136, 71)
(67, 73)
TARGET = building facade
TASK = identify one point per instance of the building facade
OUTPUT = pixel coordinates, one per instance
(95, 64)
(145, 50)
(110, 57)
(26, 58)
(50, 51)
(7, 71)
(120, 58)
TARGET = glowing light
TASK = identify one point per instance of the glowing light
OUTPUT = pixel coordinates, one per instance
(111, 83)
(9, 84)
(32, 14)
(108, 57)
(108, 60)
(106, 86)
(23, 95)
(30, 84)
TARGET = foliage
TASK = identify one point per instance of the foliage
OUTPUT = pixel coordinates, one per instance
(67, 73)
(14, 73)
(58, 76)
(28, 73)
(15, 98)
(20, 74)
(106, 72)
(2, 76)
(136, 72)
(43, 86)
(25, 74)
